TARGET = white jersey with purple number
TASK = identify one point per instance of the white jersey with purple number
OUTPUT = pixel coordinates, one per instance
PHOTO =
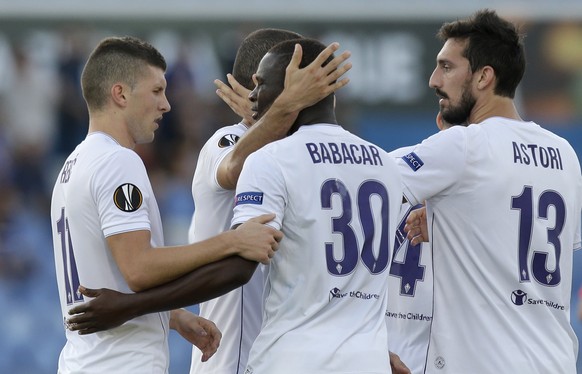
(237, 314)
(503, 202)
(336, 198)
(409, 311)
(102, 190)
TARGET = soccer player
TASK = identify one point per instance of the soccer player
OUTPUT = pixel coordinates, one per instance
(105, 220)
(410, 288)
(238, 314)
(336, 198)
(110, 308)
(503, 201)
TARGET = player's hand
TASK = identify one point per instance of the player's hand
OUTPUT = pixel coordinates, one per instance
(305, 87)
(257, 241)
(197, 330)
(107, 310)
(236, 96)
(416, 228)
(397, 366)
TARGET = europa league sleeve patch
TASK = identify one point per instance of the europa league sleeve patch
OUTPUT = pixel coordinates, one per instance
(228, 140)
(127, 197)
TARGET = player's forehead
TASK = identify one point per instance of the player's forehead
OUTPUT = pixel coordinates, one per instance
(269, 67)
(452, 51)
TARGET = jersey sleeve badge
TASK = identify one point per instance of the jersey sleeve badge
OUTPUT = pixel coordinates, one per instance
(413, 161)
(127, 197)
(228, 140)
(249, 198)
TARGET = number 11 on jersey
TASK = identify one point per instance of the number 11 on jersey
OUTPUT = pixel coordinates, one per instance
(71, 277)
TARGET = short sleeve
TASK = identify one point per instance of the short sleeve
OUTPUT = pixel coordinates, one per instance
(218, 147)
(122, 193)
(434, 165)
(260, 190)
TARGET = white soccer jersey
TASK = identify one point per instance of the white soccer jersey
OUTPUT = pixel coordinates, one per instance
(336, 198)
(410, 289)
(102, 190)
(237, 314)
(504, 203)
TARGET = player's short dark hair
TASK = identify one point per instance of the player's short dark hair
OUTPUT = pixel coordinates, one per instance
(252, 50)
(492, 41)
(116, 59)
(311, 49)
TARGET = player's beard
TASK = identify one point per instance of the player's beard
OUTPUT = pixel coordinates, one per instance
(460, 113)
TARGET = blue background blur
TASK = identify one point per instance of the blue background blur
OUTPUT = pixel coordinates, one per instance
(43, 46)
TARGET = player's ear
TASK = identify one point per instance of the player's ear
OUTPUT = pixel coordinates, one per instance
(486, 77)
(118, 94)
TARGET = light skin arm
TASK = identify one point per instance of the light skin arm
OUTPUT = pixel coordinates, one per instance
(109, 309)
(144, 267)
(303, 87)
(197, 330)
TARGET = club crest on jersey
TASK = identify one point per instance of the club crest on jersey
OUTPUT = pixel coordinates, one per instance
(413, 161)
(228, 140)
(127, 197)
(249, 198)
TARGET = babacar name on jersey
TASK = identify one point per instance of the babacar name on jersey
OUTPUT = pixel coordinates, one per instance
(342, 153)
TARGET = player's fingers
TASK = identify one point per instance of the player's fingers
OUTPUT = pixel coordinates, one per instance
(324, 55)
(296, 58)
(220, 84)
(225, 96)
(237, 87)
(417, 240)
(278, 235)
(413, 232)
(88, 331)
(336, 62)
(337, 73)
(263, 218)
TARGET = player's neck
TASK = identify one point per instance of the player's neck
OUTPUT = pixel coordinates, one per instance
(497, 106)
(313, 115)
(114, 127)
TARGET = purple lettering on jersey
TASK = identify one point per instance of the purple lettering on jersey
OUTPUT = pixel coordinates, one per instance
(413, 161)
(249, 198)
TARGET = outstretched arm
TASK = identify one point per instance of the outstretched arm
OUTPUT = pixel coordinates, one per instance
(110, 308)
(303, 87)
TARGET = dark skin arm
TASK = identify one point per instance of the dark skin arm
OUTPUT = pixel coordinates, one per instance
(110, 308)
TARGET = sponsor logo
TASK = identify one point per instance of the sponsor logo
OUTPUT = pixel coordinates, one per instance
(228, 140)
(518, 297)
(439, 362)
(413, 161)
(249, 198)
(409, 316)
(127, 197)
(336, 293)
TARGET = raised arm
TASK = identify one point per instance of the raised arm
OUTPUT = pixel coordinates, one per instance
(303, 87)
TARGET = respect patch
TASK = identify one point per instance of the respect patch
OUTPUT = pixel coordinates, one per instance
(413, 161)
(249, 198)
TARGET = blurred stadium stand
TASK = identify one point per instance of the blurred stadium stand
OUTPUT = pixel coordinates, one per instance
(43, 45)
